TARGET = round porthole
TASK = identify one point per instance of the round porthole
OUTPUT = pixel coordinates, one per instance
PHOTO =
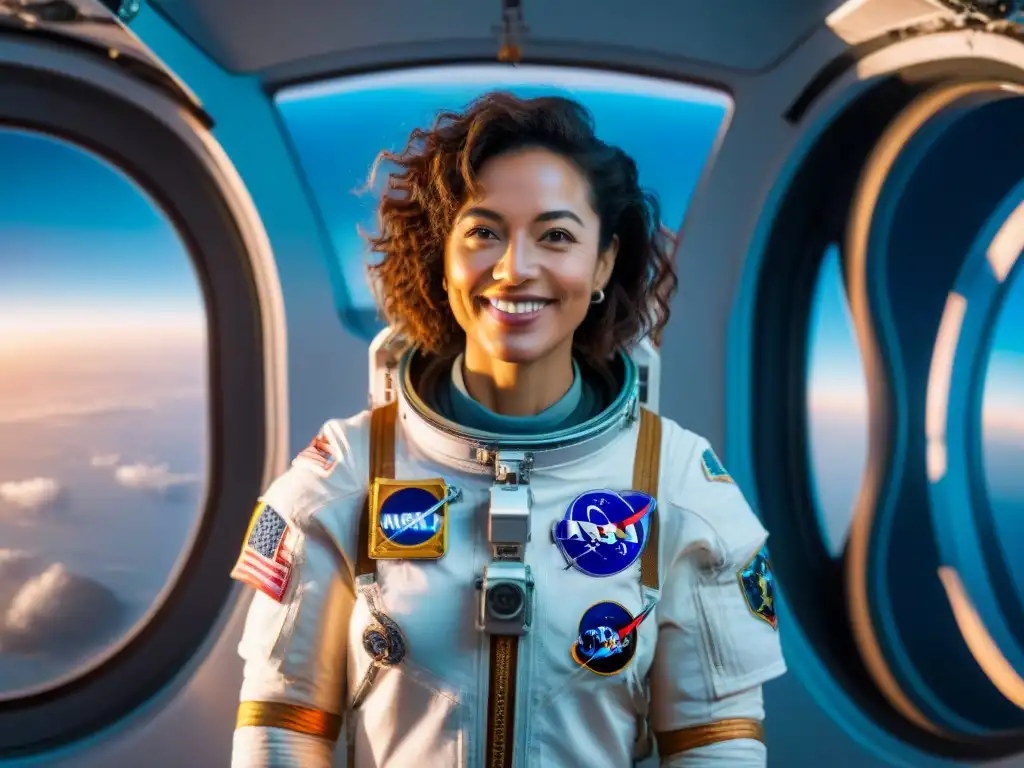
(838, 433)
(174, 447)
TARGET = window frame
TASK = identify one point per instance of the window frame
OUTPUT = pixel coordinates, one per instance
(809, 213)
(159, 144)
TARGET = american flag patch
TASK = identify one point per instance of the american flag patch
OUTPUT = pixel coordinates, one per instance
(265, 563)
(319, 454)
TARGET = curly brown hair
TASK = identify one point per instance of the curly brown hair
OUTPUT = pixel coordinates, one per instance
(436, 172)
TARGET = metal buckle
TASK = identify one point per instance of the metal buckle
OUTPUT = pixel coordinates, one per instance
(508, 521)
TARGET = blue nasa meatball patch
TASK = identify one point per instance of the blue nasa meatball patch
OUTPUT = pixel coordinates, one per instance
(410, 517)
(604, 532)
(607, 638)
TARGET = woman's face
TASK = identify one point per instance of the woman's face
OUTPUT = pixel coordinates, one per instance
(523, 259)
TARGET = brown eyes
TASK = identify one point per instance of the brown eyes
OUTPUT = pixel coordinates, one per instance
(555, 236)
(559, 236)
(481, 233)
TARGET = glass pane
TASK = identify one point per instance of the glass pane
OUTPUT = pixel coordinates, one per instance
(1003, 423)
(837, 405)
(338, 128)
(103, 403)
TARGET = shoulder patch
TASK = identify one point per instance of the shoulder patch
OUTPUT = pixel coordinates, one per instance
(266, 561)
(319, 455)
(757, 583)
(713, 469)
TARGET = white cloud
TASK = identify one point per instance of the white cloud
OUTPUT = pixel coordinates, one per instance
(156, 477)
(105, 460)
(47, 608)
(16, 567)
(34, 493)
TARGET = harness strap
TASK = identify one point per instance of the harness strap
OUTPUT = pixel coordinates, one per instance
(381, 464)
(646, 469)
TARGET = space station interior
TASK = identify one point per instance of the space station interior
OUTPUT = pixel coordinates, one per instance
(184, 301)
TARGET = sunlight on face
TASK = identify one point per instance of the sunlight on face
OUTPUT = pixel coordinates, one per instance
(523, 259)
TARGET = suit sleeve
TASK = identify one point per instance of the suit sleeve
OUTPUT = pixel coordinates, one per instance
(295, 637)
(717, 639)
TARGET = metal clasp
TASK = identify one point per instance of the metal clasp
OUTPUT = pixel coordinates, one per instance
(508, 523)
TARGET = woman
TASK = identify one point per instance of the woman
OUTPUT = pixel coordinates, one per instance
(512, 565)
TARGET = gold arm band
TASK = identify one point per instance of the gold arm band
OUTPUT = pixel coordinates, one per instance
(305, 720)
(694, 737)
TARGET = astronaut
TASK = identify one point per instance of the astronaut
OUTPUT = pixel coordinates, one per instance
(510, 564)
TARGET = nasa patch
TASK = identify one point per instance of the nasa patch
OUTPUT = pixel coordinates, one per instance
(604, 532)
(409, 519)
(758, 585)
(607, 638)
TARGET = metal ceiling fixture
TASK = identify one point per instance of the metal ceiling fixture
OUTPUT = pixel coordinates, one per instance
(511, 32)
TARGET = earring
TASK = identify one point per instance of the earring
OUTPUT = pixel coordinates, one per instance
(444, 284)
(597, 296)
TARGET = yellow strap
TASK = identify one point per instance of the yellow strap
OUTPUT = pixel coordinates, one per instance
(382, 464)
(646, 468)
(304, 720)
(685, 739)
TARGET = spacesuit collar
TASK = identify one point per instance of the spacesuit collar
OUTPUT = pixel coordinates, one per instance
(476, 450)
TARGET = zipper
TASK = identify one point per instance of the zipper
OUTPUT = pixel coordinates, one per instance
(501, 697)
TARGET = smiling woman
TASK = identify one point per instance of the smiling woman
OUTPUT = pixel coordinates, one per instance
(103, 407)
(520, 260)
(337, 128)
(547, 217)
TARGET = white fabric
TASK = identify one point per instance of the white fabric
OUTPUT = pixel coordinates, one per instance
(431, 711)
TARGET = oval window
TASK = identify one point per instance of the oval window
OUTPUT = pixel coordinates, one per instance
(837, 406)
(103, 409)
(1003, 425)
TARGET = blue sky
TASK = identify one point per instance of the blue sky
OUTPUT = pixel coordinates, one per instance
(90, 247)
(81, 250)
(103, 436)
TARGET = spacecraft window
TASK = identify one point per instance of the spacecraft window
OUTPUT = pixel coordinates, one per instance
(837, 405)
(337, 127)
(837, 411)
(103, 409)
(1002, 425)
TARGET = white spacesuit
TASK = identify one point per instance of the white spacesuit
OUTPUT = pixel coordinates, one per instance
(475, 607)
